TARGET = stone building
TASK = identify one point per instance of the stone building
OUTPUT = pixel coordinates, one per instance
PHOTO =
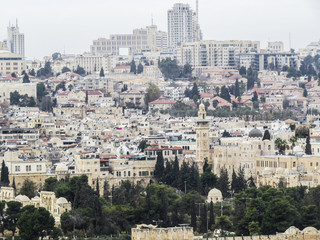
(150, 232)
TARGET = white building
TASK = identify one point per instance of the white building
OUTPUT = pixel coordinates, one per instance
(182, 26)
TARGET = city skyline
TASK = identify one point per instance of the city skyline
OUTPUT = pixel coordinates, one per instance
(79, 22)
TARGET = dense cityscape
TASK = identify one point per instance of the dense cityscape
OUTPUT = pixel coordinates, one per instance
(160, 135)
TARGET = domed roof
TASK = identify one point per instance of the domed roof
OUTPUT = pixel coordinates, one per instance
(35, 199)
(292, 230)
(215, 192)
(255, 133)
(62, 200)
(310, 230)
(61, 167)
(22, 198)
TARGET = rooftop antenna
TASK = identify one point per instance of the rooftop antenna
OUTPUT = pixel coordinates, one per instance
(151, 19)
(16, 22)
(197, 19)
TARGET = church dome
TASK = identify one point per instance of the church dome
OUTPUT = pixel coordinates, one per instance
(309, 230)
(214, 195)
(255, 133)
(292, 230)
(62, 200)
(61, 168)
(22, 198)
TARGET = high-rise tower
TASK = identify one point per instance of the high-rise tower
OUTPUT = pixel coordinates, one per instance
(182, 25)
(202, 139)
(15, 41)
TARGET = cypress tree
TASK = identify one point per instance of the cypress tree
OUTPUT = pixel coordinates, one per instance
(4, 175)
(140, 68)
(164, 208)
(234, 181)
(251, 182)
(175, 170)
(223, 182)
(101, 72)
(87, 98)
(237, 89)
(193, 216)
(203, 219)
(308, 146)
(133, 68)
(211, 217)
(159, 168)
(26, 78)
(266, 135)
(98, 188)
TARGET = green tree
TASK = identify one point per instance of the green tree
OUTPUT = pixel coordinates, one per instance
(237, 89)
(281, 145)
(101, 72)
(308, 150)
(305, 92)
(309, 217)
(13, 213)
(80, 71)
(65, 69)
(193, 216)
(142, 145)
(133, 67)
(225, 93)
(2, 216)
(187, 71)
(140, 68)
(159, 167)
(223, 182)
(280, 215)
(50, 184)
(35, 222)
(32, 72)
(211, 217)
(243, 71)
(169, 68)
(41, 91)
(26, 78)
(152, 93)
(224, 223)
(28, 188)
(203, 219)
(61, 85)
(266, 135)
(14, 98)
(4, 175)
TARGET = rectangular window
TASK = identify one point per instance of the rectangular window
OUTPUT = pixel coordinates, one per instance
(17, 168)
(28, 168)
(39, 168)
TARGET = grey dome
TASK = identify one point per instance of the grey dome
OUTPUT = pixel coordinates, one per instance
(255, 133)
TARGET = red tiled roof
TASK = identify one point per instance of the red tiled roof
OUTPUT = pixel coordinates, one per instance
(206, 95)
(93, 92)
(64, 93)
(163, 101)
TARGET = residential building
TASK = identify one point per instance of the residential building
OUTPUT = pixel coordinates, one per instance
(182, 25)
(11, 63)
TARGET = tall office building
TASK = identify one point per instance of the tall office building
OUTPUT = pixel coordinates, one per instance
(182, 25)
(15, 40)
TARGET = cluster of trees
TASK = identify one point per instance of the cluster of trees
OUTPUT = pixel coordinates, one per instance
(268, 210)
(32, 222)
(134, 69)
(171, 70)
(46, 71)
(193, 93)
(185, 178)
(152, 93)
(310, 67)
(21, 100)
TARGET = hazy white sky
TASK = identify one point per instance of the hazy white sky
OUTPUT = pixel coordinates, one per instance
(71, 25)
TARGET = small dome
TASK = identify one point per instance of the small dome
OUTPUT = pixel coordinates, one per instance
(310, 230)
(35, 199)
(62, 200)
(214, 195)
(61, 168)
(255, 133)
(292, 230)
(22, 198)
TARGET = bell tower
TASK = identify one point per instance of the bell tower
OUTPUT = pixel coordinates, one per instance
(202, 139)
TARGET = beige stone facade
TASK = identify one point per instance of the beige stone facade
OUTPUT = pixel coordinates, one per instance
(150, 232)
(11, 63)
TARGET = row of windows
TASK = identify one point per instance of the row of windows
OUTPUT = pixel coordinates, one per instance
(28, 168)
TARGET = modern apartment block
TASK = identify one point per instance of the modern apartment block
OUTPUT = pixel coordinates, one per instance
(143, 38)
(15, 40)
(215, 53)
(11, 62)
(182, 25)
